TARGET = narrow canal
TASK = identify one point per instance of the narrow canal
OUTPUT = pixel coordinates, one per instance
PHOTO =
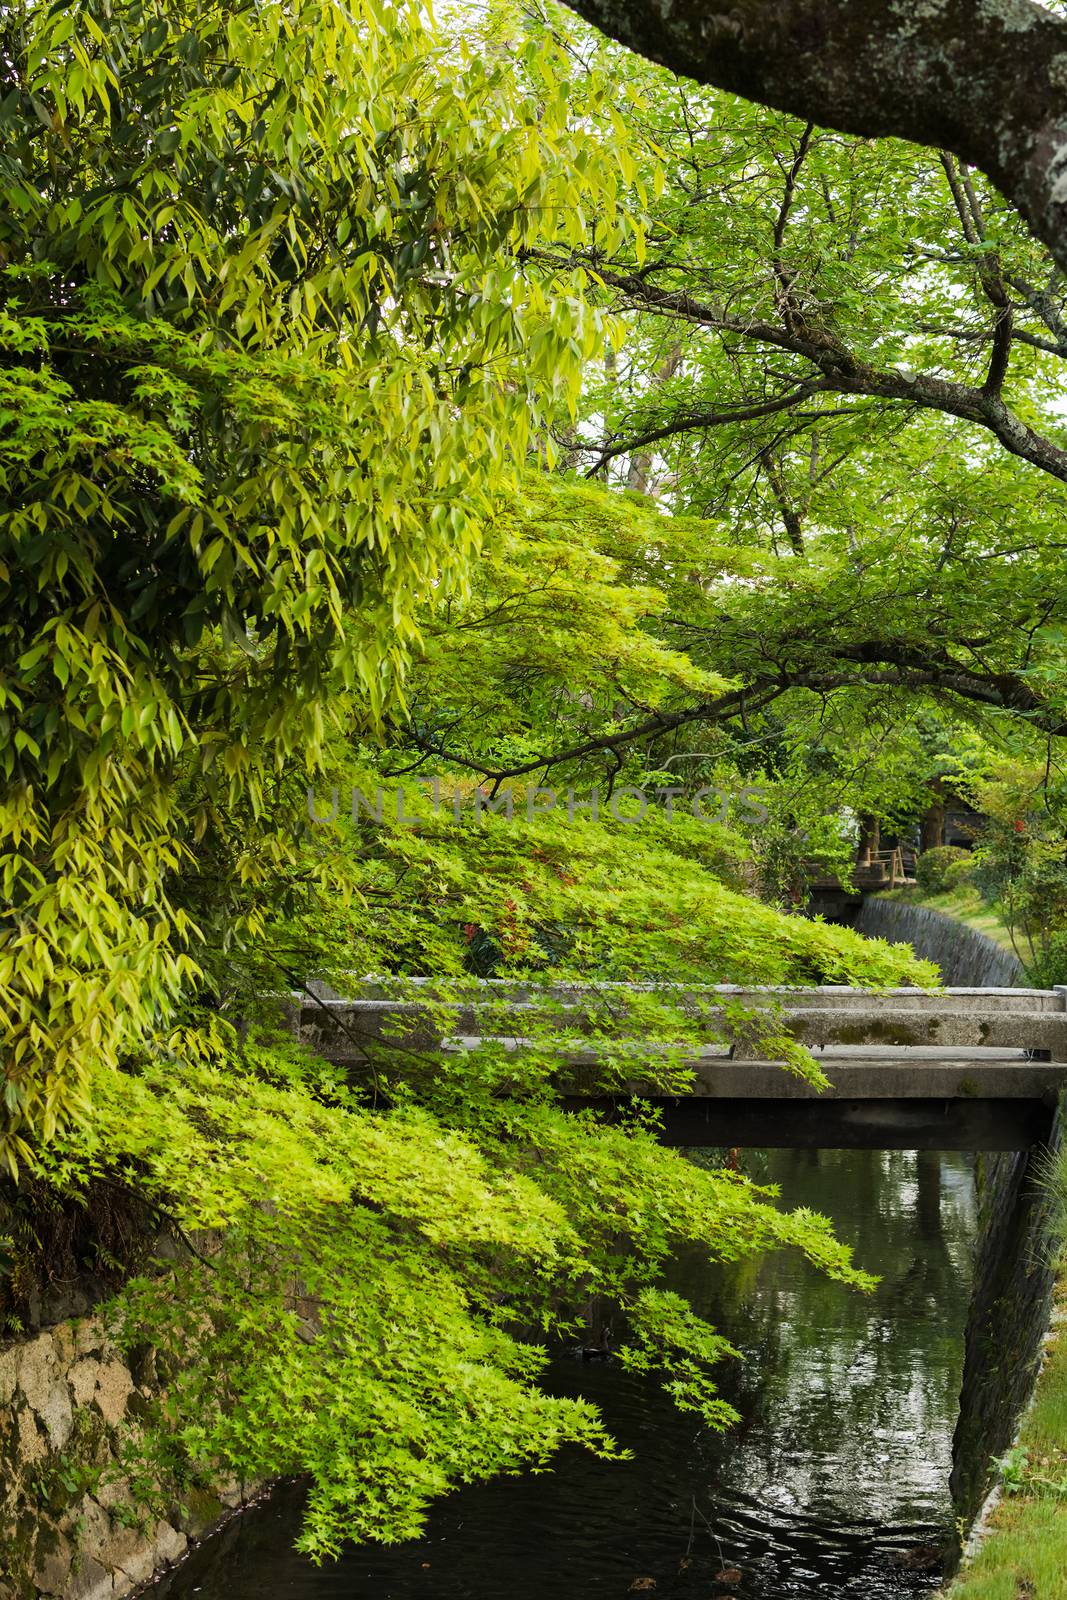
(834, 1484)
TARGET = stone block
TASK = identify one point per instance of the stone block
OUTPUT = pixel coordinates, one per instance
(88, 1581)
(114, 1385)
(170, 1543)
(37, 1370)
(95, 1528)
(140, 1564)
(111, 1544)
(32, 1443)
(113, 1492)
(56, 1414)
(63, 1342)
(55, 1555)
(89, 1336)
(84, 1376)
(8, 1373)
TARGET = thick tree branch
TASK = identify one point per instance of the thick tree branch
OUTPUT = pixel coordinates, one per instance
(1043, 303)
(998, 360)
(877, 664)
(844, 373)
(989, 275)
(754, 697)
(786, 297)
(930, 668)
(697, 420)
(983, 78)
(794, 531)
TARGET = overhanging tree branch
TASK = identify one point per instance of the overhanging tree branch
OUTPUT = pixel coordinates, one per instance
(983, 78)
(874, 664)
(753, 697)
(697, 419)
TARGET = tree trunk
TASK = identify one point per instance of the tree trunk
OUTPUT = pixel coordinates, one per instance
(870, 841)
(932, 827)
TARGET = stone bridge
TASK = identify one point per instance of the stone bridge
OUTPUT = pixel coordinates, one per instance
(947, 1069)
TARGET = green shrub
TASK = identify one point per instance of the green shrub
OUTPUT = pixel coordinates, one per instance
(959, 872)
(1049, 964)
(939, 869)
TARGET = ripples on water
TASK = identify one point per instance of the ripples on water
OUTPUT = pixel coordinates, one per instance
(834, 1484)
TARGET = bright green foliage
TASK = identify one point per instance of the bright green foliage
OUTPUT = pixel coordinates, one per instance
(372, 1286)
(267, 346)
(608, 645)
(561, 620)
(369, 1262)
(356, 1309)
(1019, 862)
(568, 896)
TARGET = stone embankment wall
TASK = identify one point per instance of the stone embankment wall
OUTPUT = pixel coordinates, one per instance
(69, 1402)
(968, 959)
(1015, 1273)
(1016, 1249)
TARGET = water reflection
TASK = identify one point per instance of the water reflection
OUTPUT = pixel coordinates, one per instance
(834, 1484)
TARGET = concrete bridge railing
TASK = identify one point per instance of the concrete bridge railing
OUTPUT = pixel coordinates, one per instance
(949, 1069)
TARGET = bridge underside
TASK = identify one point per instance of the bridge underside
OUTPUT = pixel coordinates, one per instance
(882, 1097)
(836, 1124)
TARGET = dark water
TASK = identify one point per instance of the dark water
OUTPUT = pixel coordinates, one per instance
(838, 1470)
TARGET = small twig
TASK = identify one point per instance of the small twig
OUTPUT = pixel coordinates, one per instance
(711, 1530)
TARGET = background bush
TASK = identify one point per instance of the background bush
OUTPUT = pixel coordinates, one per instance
(938, 870)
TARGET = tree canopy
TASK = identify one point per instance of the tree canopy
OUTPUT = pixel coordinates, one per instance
(469, 415)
